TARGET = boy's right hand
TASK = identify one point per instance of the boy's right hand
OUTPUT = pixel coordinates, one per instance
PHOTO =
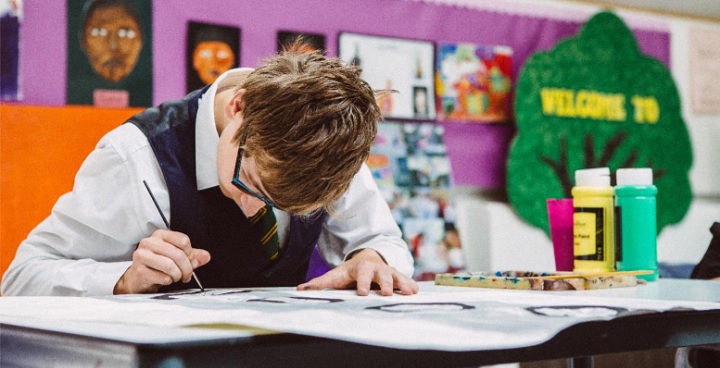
(162, 259)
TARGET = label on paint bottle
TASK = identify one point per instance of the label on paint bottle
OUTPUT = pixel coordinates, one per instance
(588, 233)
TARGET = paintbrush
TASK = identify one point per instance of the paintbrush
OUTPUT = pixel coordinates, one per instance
(167, 224)
(594, 274)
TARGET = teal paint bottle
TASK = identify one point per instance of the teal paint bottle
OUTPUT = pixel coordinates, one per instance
(636, 222)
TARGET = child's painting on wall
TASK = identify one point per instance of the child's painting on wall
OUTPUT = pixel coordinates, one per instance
(473, 82)
(109, 53)
(212, 49)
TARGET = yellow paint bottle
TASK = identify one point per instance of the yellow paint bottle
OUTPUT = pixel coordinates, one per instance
(593, 221)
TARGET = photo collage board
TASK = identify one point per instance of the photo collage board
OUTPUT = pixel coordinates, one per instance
(410, 166)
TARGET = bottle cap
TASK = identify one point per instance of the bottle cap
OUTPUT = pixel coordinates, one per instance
(597, 177)
(636, 176)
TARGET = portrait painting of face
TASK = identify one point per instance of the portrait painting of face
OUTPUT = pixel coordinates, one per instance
(112, 39)
(212, 58)
(211, 50)
(109, 52)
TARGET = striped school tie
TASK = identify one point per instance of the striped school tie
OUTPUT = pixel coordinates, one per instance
(266, 224)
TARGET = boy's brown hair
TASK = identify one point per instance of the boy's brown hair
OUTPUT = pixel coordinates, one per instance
(310, 122)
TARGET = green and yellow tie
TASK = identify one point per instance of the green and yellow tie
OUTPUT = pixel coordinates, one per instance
(266, 224)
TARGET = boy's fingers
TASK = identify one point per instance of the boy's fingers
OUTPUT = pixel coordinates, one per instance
(384, 279)
(199, 257)
(318, 283)
(406, 285)
(364, 278)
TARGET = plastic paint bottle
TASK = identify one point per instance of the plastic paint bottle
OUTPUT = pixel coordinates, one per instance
(636, 222)
(593, 221)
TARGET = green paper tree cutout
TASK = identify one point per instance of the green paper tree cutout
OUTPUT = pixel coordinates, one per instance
(596, 101)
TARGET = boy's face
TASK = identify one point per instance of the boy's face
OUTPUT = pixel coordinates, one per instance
(226, 160)
(112, 42)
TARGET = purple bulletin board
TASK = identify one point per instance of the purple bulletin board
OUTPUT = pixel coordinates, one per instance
(477, 151)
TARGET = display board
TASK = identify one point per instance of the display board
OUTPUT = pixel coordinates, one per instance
(394, 64)
(410, 166)
(595, 100)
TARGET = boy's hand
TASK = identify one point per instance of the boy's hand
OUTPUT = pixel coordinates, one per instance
(360, 271)
(162, 259)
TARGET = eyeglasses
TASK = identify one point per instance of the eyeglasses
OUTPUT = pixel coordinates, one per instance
(236, 178)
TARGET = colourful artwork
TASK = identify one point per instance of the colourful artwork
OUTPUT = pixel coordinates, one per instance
(10, 20)
(410, 166)
(211, 50)
(473, 82)
(109, 53)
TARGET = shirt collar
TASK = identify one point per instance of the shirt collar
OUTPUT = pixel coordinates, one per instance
(206, 138)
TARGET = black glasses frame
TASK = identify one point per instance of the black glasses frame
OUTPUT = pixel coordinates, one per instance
(236, 178)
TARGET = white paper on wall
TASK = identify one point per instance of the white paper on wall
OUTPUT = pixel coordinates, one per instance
(704, 59)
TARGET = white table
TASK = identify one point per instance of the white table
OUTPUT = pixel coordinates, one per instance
(38, 342)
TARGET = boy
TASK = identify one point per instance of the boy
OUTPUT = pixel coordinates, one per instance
(288, 139)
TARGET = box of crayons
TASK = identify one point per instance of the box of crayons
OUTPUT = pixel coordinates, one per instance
(525, 280)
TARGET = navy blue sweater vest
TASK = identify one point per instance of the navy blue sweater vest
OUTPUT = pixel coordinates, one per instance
(212, 221)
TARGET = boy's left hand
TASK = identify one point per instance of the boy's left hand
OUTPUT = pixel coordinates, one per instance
(360, 271)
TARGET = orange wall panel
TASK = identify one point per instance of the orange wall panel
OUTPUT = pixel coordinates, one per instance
(41, 149)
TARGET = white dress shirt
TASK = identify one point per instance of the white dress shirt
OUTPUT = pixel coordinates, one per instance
(86, 244)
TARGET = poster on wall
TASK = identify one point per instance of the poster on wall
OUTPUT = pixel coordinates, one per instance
(405, 66)
(312, 41)
(109, 53)
(474, 82)
(595, 100)
(212, 49)
(410, 166)
(10, 20)
(704, 55)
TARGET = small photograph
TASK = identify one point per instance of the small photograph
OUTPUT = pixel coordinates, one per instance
(395, 64)
(420, 102)
(212, 49)
(411, 168)
(312, 41)
(109, 53)
(474, 83)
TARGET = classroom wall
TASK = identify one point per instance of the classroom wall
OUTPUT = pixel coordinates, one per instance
(474, 164)
(688, 240)
(477, 151)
